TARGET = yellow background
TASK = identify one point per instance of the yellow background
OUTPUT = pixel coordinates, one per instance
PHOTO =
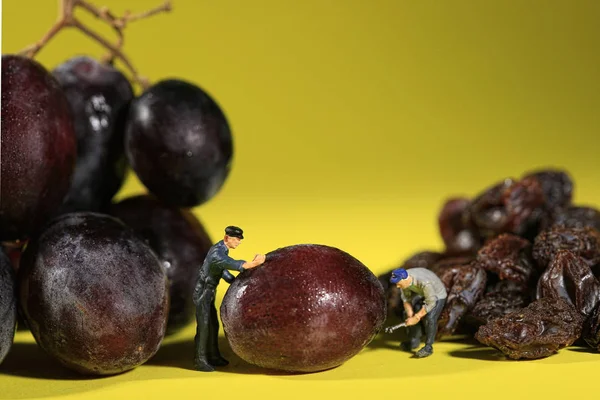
(352, 121)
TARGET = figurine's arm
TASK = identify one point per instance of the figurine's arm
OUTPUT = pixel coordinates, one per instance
(430, 298)
(228, 277)
(227, 263)
(407, 304)
(429, 302)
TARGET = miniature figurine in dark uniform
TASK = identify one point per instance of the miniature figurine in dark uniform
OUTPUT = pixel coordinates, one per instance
(215, 266)
(423, 289)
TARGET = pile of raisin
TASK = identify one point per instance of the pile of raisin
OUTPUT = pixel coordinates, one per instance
(521, 266)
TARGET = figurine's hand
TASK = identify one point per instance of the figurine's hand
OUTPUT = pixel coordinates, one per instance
(259, 259)
(412, 321)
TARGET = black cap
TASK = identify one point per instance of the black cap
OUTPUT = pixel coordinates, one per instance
(234, 231)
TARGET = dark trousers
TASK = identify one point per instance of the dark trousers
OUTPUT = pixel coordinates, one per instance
(429, 322)
(207, 329)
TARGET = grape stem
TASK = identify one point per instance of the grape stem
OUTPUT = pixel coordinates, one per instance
(67, 19)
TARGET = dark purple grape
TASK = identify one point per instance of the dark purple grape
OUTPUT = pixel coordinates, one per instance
(99, 96)
(179, 143)
(94, 295)
(38, 147)
(181, 243)
(307, 308)
(8, 305)
(14, 250)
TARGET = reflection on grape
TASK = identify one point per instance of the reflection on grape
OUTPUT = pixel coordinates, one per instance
(38, 147)
(99, 96)
(179, 143)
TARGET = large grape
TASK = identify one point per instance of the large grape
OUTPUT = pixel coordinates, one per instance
(38, 147)
(307, 308)
(179, 143)
(179, 240)
(99, 96)
(94, 295)
(8, 305)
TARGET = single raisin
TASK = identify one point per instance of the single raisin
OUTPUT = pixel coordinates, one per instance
(536, 331)
(583, 242)
(556, 184)
(459, 235)
(509, 207)
(577, 217)
(450, 261)
(591, 329)
(569, 277)
(508, 256)
(506, 286)
(496, 304)
(487, 211)
(465, 285)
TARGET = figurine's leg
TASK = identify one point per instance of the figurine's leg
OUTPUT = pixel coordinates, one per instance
(430, 325)
(202, 329)
(414, 332)
(214, 356)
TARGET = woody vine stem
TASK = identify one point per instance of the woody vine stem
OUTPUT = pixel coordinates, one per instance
(67, 19)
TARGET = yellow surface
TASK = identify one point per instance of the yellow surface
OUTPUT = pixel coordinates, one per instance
(352, 121)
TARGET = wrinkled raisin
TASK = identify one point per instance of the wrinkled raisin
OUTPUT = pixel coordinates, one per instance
(570, 277)
(452, 261)
(509, 257)
(506, 287)
(536, 331)
(591, 329)
(423, 259)
(577, 217)
(465, 285)
(556, 184)
(583, 242)
(458, 234)
(508, 207)
(487, 210)
(496, 304)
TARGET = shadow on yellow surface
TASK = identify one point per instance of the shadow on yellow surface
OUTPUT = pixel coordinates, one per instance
(28, 372)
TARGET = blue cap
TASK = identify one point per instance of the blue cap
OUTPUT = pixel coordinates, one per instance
(398, 274)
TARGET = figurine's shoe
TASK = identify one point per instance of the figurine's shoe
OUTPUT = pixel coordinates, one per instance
(218, 361)
(202, 365)
(426, 351)
(412, 344)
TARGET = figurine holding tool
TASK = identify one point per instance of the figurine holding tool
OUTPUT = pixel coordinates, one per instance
(216, 266)
(422, 288)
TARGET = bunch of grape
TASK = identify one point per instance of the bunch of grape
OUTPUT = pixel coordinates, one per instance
(100, 284)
